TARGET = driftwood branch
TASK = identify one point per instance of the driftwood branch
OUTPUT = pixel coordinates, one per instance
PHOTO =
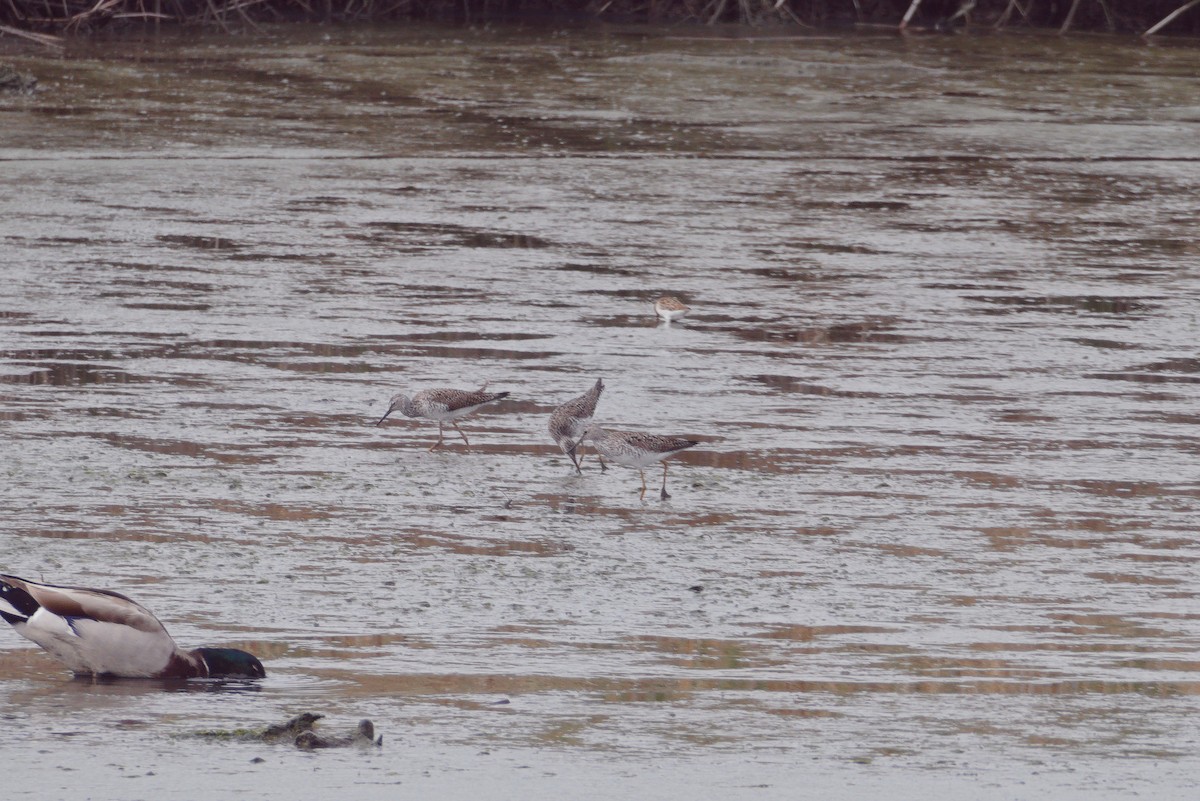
(41, 38)
(1167, 19)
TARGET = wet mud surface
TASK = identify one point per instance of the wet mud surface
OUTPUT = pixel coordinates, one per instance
(938, 539)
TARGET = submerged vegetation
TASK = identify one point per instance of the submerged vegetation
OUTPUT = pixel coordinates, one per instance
(46, 19)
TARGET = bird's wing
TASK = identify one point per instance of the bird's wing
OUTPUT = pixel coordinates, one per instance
(658, 444)
(103, 606)
(461, 400)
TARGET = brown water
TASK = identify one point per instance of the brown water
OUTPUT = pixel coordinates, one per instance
(938, 539)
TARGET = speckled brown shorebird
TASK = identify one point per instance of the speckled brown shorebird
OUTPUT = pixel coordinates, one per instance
(443, 405)
(634, 449)
(569, 421)
(670, 308)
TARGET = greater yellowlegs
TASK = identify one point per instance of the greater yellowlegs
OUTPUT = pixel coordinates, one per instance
(442, 405)
(103, 633)
(568, 422)
(634, 449)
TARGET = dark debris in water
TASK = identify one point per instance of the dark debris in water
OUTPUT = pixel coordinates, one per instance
(596, 269)
(1180, 365)
(448, 235)
(864, 331)
(363, 735)
(1092, 304)
(62, 375)
(199, 242)
(1103, 344)
(783, 274)
(291, 728)
(13, 80)
(169, 306)
(1146, 377)
(299, 731)
(831, 247)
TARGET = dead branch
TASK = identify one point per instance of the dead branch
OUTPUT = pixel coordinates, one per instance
(41, 38)
(1013, 4)
(1153, 29)
(1070, 17)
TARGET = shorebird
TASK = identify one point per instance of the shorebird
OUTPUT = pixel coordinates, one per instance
(633, 449)
(568, 422)
(103, 633)
(442, 405)
(669, 308)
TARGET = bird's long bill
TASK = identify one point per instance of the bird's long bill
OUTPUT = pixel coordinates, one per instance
(385, 416)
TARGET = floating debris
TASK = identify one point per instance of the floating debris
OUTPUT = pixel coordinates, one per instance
(364, 735)
(298, 731)
(13, 80)
(278, 732)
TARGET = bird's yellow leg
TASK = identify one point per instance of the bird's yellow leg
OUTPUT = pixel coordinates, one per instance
(460, 433)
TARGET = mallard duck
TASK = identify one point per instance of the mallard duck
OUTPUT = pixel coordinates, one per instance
(103, 633)
(443, 405)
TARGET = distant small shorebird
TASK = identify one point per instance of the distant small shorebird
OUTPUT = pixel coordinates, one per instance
(669, 308)
(569, 421)
(633, 449)
(442, 405)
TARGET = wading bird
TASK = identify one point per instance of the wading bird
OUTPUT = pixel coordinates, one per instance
(442, 405)
(669, 308)
(569, 421)
(634, 449)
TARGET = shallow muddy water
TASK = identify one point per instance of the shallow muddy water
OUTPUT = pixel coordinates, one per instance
(938, 539)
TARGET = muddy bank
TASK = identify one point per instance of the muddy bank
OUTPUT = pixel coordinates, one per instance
(938, 536)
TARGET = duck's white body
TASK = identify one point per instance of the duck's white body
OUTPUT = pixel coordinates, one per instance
(138, 648)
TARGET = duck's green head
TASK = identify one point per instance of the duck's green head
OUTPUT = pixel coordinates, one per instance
(222, 662)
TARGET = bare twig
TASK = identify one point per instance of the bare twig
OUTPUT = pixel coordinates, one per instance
(964, 11)
(1070, 17)
(240, 8)
(218, 16)
(1000, 23)
(783, 8)
(908, 15)
(87, 15)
